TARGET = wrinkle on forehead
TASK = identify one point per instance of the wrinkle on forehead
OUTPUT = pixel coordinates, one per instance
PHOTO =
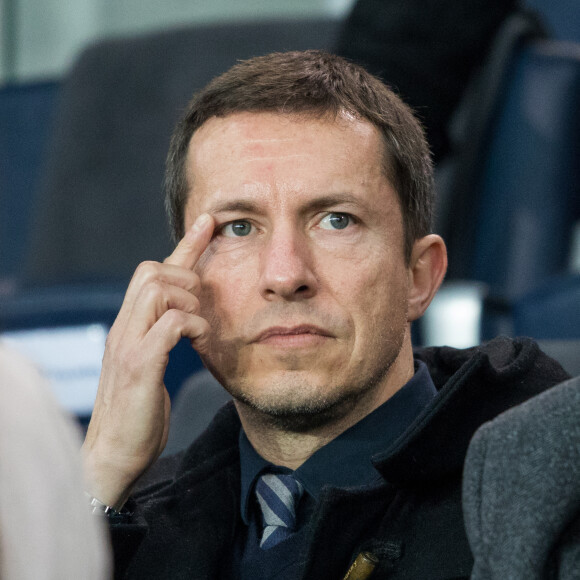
(276, 157)
(221, 148)
(250, 140)
(243, 133)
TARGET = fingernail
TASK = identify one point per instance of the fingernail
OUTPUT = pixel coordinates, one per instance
(201, 222)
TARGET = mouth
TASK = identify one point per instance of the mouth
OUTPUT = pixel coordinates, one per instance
(295, 336)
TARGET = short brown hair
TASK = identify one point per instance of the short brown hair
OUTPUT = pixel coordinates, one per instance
(314, 83)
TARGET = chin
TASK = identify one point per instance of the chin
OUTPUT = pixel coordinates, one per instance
(298, 405)
(298, 418)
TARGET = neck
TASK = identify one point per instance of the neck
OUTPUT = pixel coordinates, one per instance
(290, 448)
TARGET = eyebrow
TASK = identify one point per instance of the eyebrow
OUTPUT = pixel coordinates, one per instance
(241, 205)
(331, 200)
(318, 203)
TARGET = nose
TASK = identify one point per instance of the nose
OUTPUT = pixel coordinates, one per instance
(287, 270)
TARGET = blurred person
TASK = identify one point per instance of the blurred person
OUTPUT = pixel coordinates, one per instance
(46, 530)
(521, 490)
(299, 188)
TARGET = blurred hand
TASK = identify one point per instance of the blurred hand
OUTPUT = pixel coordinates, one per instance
(130, 421)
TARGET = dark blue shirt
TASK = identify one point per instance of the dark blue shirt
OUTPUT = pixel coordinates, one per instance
(354, 448)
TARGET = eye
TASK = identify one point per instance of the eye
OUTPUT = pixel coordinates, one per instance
(335, 221)
(237, 229)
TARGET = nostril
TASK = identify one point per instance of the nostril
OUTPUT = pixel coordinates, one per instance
(302, 288)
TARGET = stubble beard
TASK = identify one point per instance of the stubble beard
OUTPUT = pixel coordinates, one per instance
(306, 414)
(298, 406)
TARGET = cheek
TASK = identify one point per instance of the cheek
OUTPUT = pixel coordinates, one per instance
(363, 273)
(375, 292)
(346, 253)
(227, 281)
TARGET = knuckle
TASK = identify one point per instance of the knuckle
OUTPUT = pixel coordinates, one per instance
(201, 341)
(147, 271)
(174, 318)
(155, 296)
(154, 289)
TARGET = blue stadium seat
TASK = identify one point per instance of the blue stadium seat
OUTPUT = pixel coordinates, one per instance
(512, 225)
(551, 311)
(26, 112)
(551, 314)
(530, 193)
(561, 17)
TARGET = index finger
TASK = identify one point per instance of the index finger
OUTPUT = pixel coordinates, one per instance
(193, 243)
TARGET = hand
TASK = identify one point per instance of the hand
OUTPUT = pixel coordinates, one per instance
(130, 421)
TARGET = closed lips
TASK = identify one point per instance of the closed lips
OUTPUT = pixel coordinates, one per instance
(293, 331)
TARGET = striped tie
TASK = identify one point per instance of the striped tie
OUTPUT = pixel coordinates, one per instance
(278, 496)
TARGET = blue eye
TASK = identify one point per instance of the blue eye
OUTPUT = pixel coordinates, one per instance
(237, 229)
(335, 221)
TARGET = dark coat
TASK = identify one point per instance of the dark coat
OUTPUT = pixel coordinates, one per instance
(187, 512)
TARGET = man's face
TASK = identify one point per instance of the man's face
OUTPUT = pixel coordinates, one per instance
(304, 283)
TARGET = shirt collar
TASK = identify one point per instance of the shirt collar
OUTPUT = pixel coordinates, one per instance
(346, 461)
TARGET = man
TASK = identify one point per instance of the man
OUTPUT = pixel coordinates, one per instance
(300, 189)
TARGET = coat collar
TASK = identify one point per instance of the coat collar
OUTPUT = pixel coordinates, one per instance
(474, 385)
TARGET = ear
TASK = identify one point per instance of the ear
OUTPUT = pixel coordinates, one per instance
(427, 269)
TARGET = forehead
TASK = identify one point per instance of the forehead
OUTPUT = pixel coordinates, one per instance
(246, 151)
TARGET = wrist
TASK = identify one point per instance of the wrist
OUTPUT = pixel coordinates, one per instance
(106, 483)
